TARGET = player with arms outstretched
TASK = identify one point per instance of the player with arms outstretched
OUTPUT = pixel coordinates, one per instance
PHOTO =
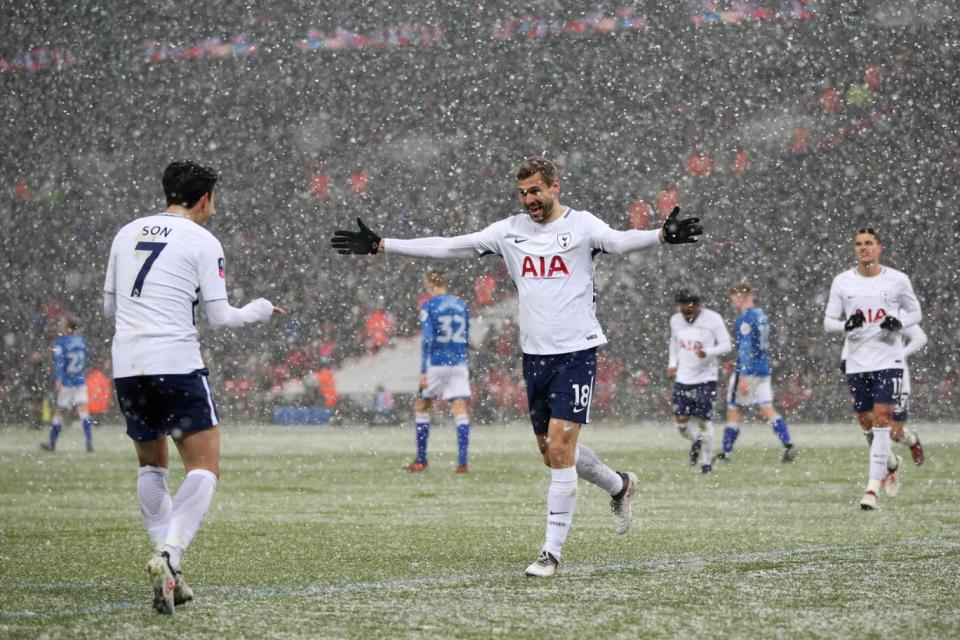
(161, 266)
(549, 252)
(69, 382)
(445, 321)
(871, 304)
(697, 337)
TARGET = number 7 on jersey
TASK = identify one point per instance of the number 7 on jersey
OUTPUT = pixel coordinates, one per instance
(154, 248)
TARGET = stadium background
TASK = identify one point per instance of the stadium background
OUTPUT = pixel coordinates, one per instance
(784, 125)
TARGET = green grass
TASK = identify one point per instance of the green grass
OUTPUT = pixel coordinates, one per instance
(316, 533)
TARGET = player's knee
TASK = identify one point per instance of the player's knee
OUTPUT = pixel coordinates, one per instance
(882, 416)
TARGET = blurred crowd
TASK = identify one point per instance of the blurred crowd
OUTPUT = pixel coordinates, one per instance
(784, 136)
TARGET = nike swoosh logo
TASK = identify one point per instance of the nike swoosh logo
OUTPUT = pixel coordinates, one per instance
(519, 240)
(580, 410)
(558, 513)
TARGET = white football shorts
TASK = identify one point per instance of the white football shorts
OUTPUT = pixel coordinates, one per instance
(448, 382)
(69, 397)
(759, 391)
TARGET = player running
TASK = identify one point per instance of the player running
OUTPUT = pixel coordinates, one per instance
(69, 382)
(750, 384)
(160, 267)
(871, 304)
(549, 253)
(445, 320)
(697, 337)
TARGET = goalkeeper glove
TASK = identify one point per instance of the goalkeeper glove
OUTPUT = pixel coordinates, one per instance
(890, 323)
(360, 242)
(680, 231)
(855, 321)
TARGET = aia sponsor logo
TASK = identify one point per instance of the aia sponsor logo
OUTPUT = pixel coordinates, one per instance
(872, 315)
(691, 345)
(544, 267)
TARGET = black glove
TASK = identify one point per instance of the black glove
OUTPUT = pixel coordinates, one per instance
(360, 242)
(855, 321)
(680, 231)
(890, 323)
(843, 366)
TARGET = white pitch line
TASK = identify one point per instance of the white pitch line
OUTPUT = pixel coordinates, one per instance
(653, 564)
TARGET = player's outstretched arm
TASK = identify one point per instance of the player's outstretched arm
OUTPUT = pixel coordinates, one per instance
(220, 314)
(366, 241)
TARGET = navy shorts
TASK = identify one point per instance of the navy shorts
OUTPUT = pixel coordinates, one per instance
(559, 386)
(694, 399)
(169, 404)
(875, 387)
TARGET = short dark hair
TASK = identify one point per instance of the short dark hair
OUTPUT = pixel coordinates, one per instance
(867, 230)
(185, 181)
(687, 295)
(739, 288)
(538, 164)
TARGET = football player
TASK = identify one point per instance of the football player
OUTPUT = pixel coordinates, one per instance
(549, 251)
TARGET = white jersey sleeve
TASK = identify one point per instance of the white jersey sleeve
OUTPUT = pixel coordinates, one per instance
(914, 338)
(482, 242)
(673, 355)
(212, 268)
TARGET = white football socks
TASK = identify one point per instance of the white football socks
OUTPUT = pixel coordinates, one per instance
(706, 426)
(687, 432)
(155, 503)
(561, 503)
(189, 507)
(879, 452)
(593, 470)
(909, 437)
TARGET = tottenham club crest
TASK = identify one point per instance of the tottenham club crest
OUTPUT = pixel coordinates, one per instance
(563, 240)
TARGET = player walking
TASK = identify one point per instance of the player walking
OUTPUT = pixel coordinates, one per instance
(160, 267)
(877, 302)
(750, 384)
(445, 320)
(70, 383)
(549, 254)
(697, 337)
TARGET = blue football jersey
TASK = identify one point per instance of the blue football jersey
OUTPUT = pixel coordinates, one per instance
(70, 360)
(446, 331)
(752, 329)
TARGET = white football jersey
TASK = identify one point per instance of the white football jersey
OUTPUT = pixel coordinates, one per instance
(871, 348)
(707, 332)
(160, 267)
(552, 267)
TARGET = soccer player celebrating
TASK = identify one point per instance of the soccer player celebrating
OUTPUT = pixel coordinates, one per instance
(69, 381)
(549, 253)
(160, 267)
(871, 304)
(750, 384)
(697, 336)
(443, 366)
